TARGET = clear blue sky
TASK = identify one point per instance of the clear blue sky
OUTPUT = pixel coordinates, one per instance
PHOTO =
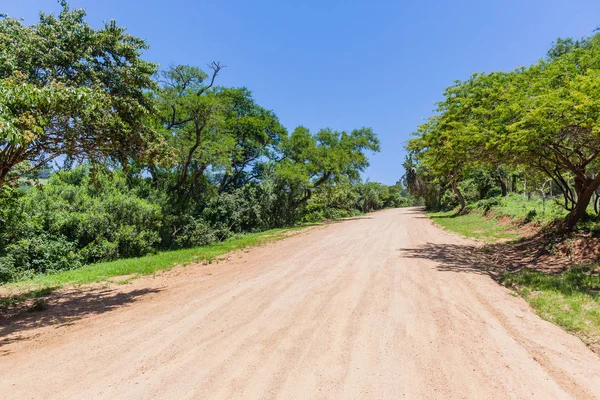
(344, 64)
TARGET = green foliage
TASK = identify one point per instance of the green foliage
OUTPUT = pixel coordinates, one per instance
(37, 254)
(67, 89)
(72, 220)
(246, 209)
(149, 264)
(313, 162)
(517, 207)
(546, 116)
(482, 218)
(420, 183)
(149, 161)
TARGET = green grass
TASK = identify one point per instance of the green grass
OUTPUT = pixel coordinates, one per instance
(474, 225)
(481, 220)
(517, 207)
(140, 266)
(570, 299)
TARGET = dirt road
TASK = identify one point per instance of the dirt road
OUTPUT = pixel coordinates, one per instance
(385, 306)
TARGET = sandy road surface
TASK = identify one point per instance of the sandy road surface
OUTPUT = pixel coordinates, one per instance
(379, 307)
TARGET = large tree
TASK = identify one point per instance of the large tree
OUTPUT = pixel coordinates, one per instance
(67, 89)
(217, 135)
(254, 134)
(558, 129)
(312, 161)
(190, 114)
(546, 116)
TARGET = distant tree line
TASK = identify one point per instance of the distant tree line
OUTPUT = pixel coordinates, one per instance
(149, 158)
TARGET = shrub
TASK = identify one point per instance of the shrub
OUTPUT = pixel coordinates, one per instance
(75, 219)
(37, 254)
(198, 233)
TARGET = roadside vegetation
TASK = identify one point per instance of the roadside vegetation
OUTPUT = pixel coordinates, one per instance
(111, 164)
(124, 270)
(569, 299)
(474, 225)
(514, 157)
(534, 130)
(562, 288)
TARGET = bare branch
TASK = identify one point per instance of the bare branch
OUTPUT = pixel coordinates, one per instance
(216, 67)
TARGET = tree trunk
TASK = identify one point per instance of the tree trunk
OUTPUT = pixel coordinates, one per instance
(585, 191)
(580, 209)
(502, 182)
(460, 196)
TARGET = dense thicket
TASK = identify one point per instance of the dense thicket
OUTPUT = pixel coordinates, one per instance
(539, 125)
(146, 159)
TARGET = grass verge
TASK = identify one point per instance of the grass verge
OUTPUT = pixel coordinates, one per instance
(41, 285)
(474, 225)
(570, 299)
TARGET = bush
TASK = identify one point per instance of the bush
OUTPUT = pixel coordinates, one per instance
(198, 233)
(448, 201)
(78, 218)
(37, 254)
(246, 209)
(103, 217)
(74, 220)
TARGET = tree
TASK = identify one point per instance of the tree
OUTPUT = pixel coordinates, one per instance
(256, 135)
(546, 116)
(190, 115)
(67, 89)
(559, 128)
(212, 129)
(441, 152)
(419, 183)
(310, 161)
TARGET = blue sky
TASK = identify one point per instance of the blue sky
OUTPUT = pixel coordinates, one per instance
(344, 64)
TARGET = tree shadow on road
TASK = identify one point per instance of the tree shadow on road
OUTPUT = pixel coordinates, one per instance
(455, 258)
(64, 308)
(490, 259)
(413, 210)
(342, 220)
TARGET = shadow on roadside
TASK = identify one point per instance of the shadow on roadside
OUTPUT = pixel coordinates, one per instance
(339, 221)
(455, 258)
(63, 308)
(491, 259)
(412, 210)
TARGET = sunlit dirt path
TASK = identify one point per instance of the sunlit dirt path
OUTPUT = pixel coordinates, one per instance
(378, 307)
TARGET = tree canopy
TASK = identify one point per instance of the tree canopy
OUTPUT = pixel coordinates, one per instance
(67, 89)
(545, 116)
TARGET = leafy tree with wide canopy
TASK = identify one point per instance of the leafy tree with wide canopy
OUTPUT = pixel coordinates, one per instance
(216, 130)
(67, 89)
(546, 116)
(312, 161)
